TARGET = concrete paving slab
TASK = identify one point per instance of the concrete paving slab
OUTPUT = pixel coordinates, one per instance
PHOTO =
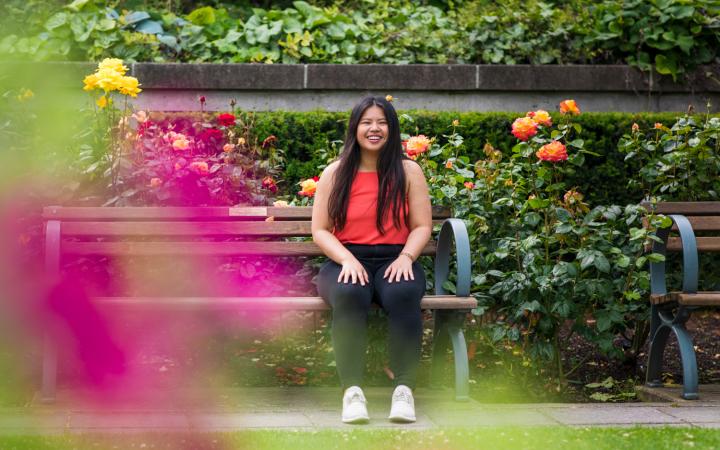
(609, 415)
(709, 394)
(694, 414)
(226, 422)
(331, 419)
(491, 417)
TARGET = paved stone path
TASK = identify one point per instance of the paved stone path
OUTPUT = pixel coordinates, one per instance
(314, 408)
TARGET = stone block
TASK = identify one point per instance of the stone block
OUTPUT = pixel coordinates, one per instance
(445, 77)
(219, 76)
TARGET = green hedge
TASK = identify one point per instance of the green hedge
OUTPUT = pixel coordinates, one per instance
(306, 137)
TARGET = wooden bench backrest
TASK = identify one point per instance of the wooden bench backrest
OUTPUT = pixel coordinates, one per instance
(167, 231)
(704, 218)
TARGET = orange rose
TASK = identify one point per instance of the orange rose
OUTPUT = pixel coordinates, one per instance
(155, 182)
(308, 187)
(552, 152)
(569, 107)
(524, 128)
(635, 128)
(448, 164)
(199, 167)
(416, 145)
(541, 117)
(658, 126)
(469, 184)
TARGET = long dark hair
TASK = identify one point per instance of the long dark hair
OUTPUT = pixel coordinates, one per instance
(391, 175)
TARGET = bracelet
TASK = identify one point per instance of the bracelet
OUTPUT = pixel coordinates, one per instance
(409, 255)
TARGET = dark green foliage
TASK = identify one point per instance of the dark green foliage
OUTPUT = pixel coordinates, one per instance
(672, 36)
(306, 136)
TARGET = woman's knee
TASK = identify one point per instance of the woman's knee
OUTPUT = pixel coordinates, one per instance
(401, 295)
(350, 297)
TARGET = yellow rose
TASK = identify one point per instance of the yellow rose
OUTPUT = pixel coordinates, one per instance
(389, 98)
(108, 80)
(129, 86)
(241, 141)
(280, 204)
(115, 64)
(90, 82)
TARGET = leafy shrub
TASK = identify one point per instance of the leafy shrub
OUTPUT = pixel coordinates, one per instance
(671, 35)
(678, 162)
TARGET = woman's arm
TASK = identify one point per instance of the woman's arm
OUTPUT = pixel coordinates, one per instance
(420, 224)
(322, 232)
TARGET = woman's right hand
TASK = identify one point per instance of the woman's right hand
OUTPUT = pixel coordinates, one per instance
(353, 270)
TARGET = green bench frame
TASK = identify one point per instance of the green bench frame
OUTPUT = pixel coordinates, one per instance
(114, 232)
(670, 311)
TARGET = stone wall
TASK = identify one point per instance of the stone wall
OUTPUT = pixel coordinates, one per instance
(177, 87)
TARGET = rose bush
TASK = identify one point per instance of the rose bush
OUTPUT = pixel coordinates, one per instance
(546, 264)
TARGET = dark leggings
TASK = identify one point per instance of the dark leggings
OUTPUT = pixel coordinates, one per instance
(351, 303)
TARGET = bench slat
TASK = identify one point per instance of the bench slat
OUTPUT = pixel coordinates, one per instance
(707, 298)
(199, 248)
(704, 244)
(151, 213)
(219, 228)
(687, 208)
(702, 223)
(268, 303)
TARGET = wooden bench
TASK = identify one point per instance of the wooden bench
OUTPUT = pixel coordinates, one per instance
(671, 310)
(198, 232)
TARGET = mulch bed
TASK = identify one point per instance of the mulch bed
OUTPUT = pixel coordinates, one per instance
(704, 326)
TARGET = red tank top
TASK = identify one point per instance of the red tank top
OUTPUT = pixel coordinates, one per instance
(360, 227)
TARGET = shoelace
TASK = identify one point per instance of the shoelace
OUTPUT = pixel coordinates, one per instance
(402, 396)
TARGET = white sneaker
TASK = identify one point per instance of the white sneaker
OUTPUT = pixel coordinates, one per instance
(354, 406)
(403, 405)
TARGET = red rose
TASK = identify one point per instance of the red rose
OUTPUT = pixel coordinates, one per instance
(269, 183)
(211, 134)
(226, 120)
(270, 140)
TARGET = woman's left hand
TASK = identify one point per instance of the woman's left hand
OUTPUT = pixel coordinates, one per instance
(400, 268)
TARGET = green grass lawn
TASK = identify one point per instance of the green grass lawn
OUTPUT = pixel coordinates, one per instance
(514, 438)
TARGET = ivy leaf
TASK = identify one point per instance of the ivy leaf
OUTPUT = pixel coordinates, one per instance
(666, 65)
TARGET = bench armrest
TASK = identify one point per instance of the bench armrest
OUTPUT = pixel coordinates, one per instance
(690, 257)
(453, 230)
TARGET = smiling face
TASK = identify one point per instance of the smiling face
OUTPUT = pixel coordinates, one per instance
(372, 130)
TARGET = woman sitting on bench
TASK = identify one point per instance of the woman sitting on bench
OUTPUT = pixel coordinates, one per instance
(372, 218)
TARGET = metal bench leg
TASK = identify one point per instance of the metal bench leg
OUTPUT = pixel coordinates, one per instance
(689, 363)
(462, 367)
(441, 342)
(448, 330)
(662, 323)
(658, 340)
(49, 370)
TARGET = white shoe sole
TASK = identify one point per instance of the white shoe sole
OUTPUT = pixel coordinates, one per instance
(356, 420)
(402, 419)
